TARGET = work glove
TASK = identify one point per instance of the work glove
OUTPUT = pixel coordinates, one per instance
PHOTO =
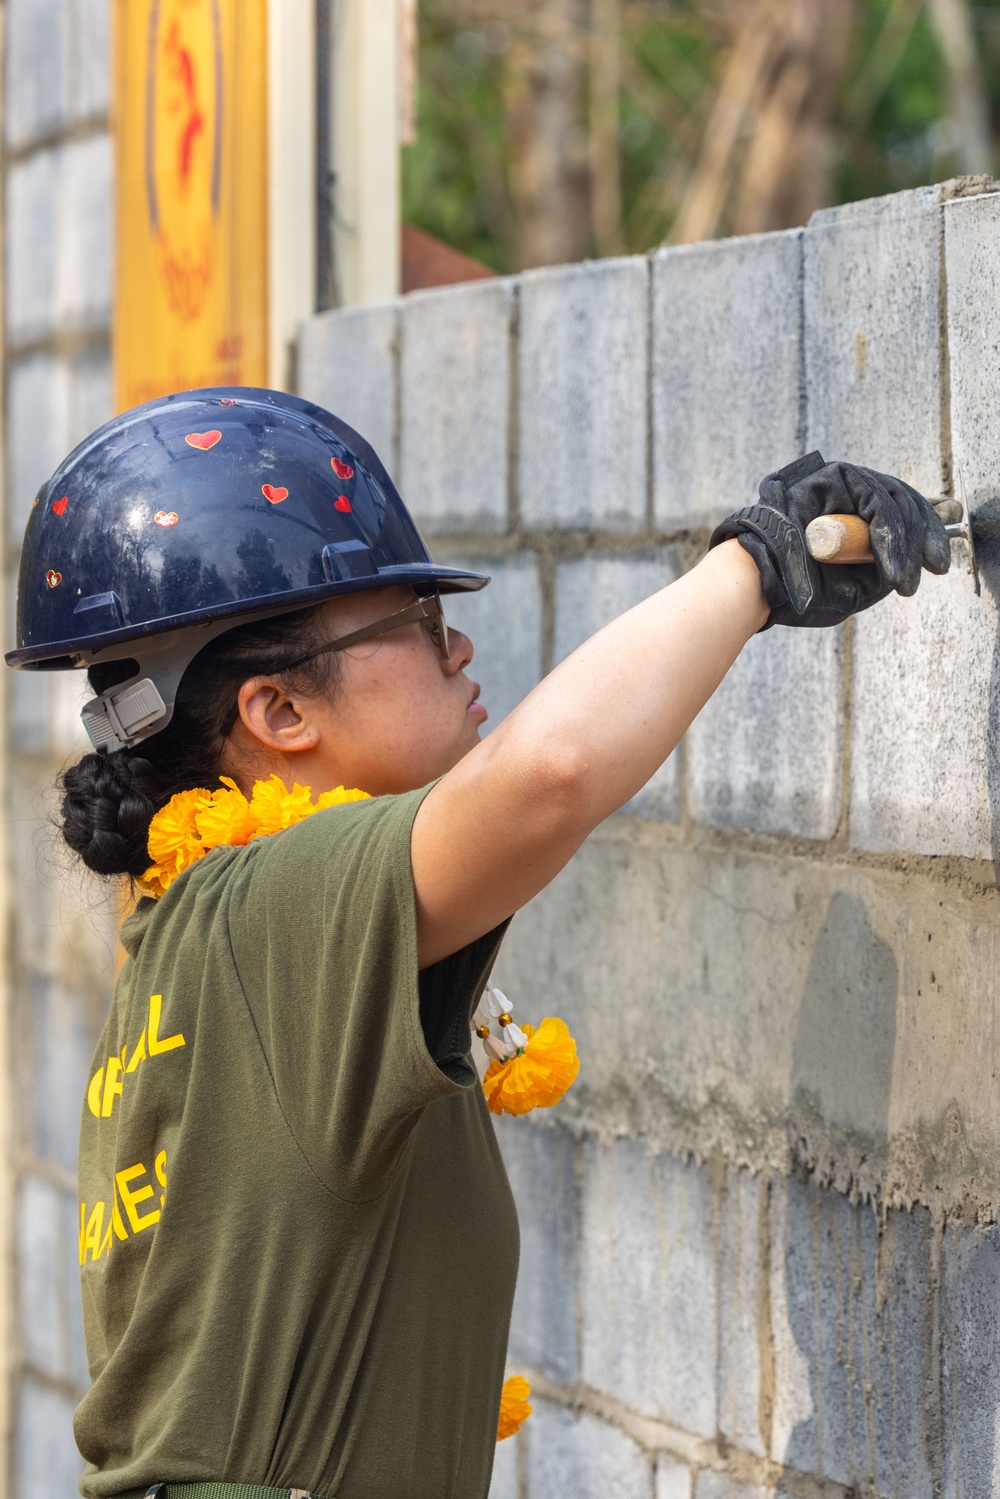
(907, 534)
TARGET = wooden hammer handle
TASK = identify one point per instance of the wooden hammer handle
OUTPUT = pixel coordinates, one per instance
(839, 538)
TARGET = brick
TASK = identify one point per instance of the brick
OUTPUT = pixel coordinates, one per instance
(579, 1456)
(504, 623)
(583, 376)
(851, 1313)
(454, 399)
(540, 1164)
(872, 335)
(765, 752)
(923, 752)
(59, 1033)
(589, 593)
(741, 1221)
(90, 81)
(50, 1320)
(54, 401)
(46, 1460)
(727, 373)
(673, 1480)
(347, 364)
(504, 1484)
(972, 264)
(59, 242)
(648, 1284)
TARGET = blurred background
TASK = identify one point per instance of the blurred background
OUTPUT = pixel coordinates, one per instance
(551, 130)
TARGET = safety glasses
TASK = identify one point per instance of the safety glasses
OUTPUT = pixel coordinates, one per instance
(426, 611)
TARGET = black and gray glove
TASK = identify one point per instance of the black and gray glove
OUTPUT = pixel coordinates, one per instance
(907, 534)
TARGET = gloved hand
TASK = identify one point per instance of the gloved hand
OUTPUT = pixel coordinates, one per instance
(906, 535)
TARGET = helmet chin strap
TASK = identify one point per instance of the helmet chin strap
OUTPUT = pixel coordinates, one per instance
(143, 705)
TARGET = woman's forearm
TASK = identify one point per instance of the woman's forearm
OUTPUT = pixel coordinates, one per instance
(500, 825)
(620, 703)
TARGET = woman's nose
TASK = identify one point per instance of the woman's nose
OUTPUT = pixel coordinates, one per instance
(460, 651)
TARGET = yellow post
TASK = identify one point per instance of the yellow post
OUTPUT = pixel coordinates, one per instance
(191, 149)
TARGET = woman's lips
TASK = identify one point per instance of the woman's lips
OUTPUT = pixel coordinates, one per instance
(475, 707)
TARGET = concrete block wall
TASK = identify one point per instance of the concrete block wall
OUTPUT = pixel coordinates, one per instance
(760, 1251)
(57, 300)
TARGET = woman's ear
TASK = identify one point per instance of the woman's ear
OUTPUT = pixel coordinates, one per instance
(274, 719)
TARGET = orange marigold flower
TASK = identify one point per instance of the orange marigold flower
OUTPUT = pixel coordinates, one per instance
(275, 807)
(173, 834)
(514, 1407)
(536, 1077)
(155, 881)
(226, 817)
(338, 796)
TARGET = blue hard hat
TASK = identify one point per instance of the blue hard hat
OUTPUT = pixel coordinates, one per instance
(195, 513)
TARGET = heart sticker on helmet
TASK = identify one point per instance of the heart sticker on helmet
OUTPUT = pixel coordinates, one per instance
(203, 440)
(59, 506)
(52, 578)
(342, 470)
(166, 518)
(343, 503)
(274, 493)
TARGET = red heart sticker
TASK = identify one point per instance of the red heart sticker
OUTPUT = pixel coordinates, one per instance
(342, 470)
(59, 506)
(166, 518)
(274, 494)
(342, 504)
(226, 401)
(52, 578)
(203, 440)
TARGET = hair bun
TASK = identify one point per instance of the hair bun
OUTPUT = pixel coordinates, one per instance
(108, 804)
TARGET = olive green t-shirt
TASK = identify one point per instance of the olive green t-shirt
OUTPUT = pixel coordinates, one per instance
(298, 1245)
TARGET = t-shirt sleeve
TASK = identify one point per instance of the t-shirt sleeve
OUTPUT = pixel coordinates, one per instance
(358, 1042)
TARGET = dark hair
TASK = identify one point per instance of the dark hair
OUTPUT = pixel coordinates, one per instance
(109, 800)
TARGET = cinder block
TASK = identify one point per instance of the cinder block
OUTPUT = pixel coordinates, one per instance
(970, 1337)
(45, 1458)
(579, 1456)
(582, 446)
(711, 1485)
(649, 1293)
(53, 403)
(924, 760)
(851, 1313)
(504, 623)
(727, 373)
(740, 1226)
(347, 363)
(455, 404)
(872, 335)
(765, 752)
(59, 241)
(49, 1317)
(504, 1483)
(90, 82)
(972, 261)
(36, 76)
(540, 1164)
(590, 593)
(673, 1479)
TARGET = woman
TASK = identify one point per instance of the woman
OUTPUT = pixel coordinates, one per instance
(297, 1243)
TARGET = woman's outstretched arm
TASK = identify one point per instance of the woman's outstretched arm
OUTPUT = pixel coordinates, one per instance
(501, 824)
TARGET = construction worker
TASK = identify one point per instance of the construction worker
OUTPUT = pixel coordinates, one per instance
(297, 1243)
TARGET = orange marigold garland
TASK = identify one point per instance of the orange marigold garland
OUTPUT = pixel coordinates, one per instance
(529, 1068)
(514, 1407)
(193, 822)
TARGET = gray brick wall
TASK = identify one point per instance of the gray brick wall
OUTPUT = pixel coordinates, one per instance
(58, 223)
(759, 1237)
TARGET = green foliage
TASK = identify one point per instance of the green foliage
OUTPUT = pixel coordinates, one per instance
(890, 132)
